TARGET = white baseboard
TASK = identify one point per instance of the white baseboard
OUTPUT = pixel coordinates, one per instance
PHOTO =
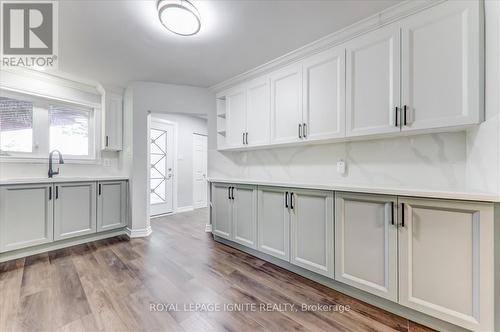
(183, 209)
(208, 228)
(142, 232)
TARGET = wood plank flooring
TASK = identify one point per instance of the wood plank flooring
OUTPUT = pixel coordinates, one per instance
(126, 285)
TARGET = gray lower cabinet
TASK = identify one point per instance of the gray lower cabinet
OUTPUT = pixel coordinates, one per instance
(221, 210)
(273, 222)
(25, 216)
(111, 205)
(74, 209)
(244, 215)
(311, 230)
(366, 243)
(446, 260)
(234, 213)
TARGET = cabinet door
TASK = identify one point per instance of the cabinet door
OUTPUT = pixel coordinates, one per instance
(111, 205)
(324, 94)
(113, 122)
(235, 117)
(258, 114)
(273, 223)
(366, 243)
(286, 104)
(74, 209)
(244, 215)
(311, 235)
(446, 260)
(25, 216)
(372, 82)
(441, 64)
(221, 211)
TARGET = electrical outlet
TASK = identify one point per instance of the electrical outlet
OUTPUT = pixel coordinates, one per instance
(107, 162)
(341, 166)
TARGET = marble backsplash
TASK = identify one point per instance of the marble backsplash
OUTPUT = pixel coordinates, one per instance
(422, 162)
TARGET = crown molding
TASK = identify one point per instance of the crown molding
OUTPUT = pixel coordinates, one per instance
(387, 16)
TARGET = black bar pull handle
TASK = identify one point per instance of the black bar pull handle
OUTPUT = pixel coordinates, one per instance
(243, 138)
(404, 114)
(300, 130)
(99, 189)
(107, 141)
(402, 214)
(57, 192)
(291, 201)
(304, 130)
(246, 137)
(392, 213)
(232, 193)
(50, 193)
(286, 199)
(396, 113)
(228, 192)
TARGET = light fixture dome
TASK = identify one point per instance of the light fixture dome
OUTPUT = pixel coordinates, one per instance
(179, 16)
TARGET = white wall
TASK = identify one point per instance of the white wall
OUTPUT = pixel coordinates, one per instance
(186, 126)
(142, 98)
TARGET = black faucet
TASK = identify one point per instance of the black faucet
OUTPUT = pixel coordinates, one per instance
(61, 161)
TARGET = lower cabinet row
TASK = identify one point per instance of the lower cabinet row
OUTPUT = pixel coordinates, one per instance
(35, 214)
(434, 256)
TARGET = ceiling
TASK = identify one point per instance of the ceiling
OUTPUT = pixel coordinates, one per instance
(116, 42)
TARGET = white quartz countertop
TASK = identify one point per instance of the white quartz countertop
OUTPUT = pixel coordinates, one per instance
(59, 179)
(468, 196)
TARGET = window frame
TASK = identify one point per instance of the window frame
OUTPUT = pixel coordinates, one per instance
(41, 130)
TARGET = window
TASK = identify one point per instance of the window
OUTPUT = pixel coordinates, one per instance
(69, 130)
(31, 127)
(16, 125)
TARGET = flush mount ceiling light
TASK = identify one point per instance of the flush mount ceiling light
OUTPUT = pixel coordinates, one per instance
(179, 16)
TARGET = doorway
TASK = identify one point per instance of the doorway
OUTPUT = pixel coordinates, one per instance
(200, 183)
(162, 156)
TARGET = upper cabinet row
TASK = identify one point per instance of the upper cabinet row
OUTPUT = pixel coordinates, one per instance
(421, 73)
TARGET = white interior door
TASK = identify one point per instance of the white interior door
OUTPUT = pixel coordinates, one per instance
(200, 184)
(161, 167)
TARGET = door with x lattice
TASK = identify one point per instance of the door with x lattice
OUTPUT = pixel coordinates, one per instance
(161, 153)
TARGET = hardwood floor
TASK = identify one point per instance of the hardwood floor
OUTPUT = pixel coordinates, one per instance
(122, 285)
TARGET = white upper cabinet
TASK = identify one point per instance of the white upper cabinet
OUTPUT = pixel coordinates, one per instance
(112, 138)
(324, 95)
(372, 82)
(286, 104)
(257, 112)
(442, 67)
(235, 117)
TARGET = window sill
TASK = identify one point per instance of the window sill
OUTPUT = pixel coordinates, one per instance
(45, 160)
